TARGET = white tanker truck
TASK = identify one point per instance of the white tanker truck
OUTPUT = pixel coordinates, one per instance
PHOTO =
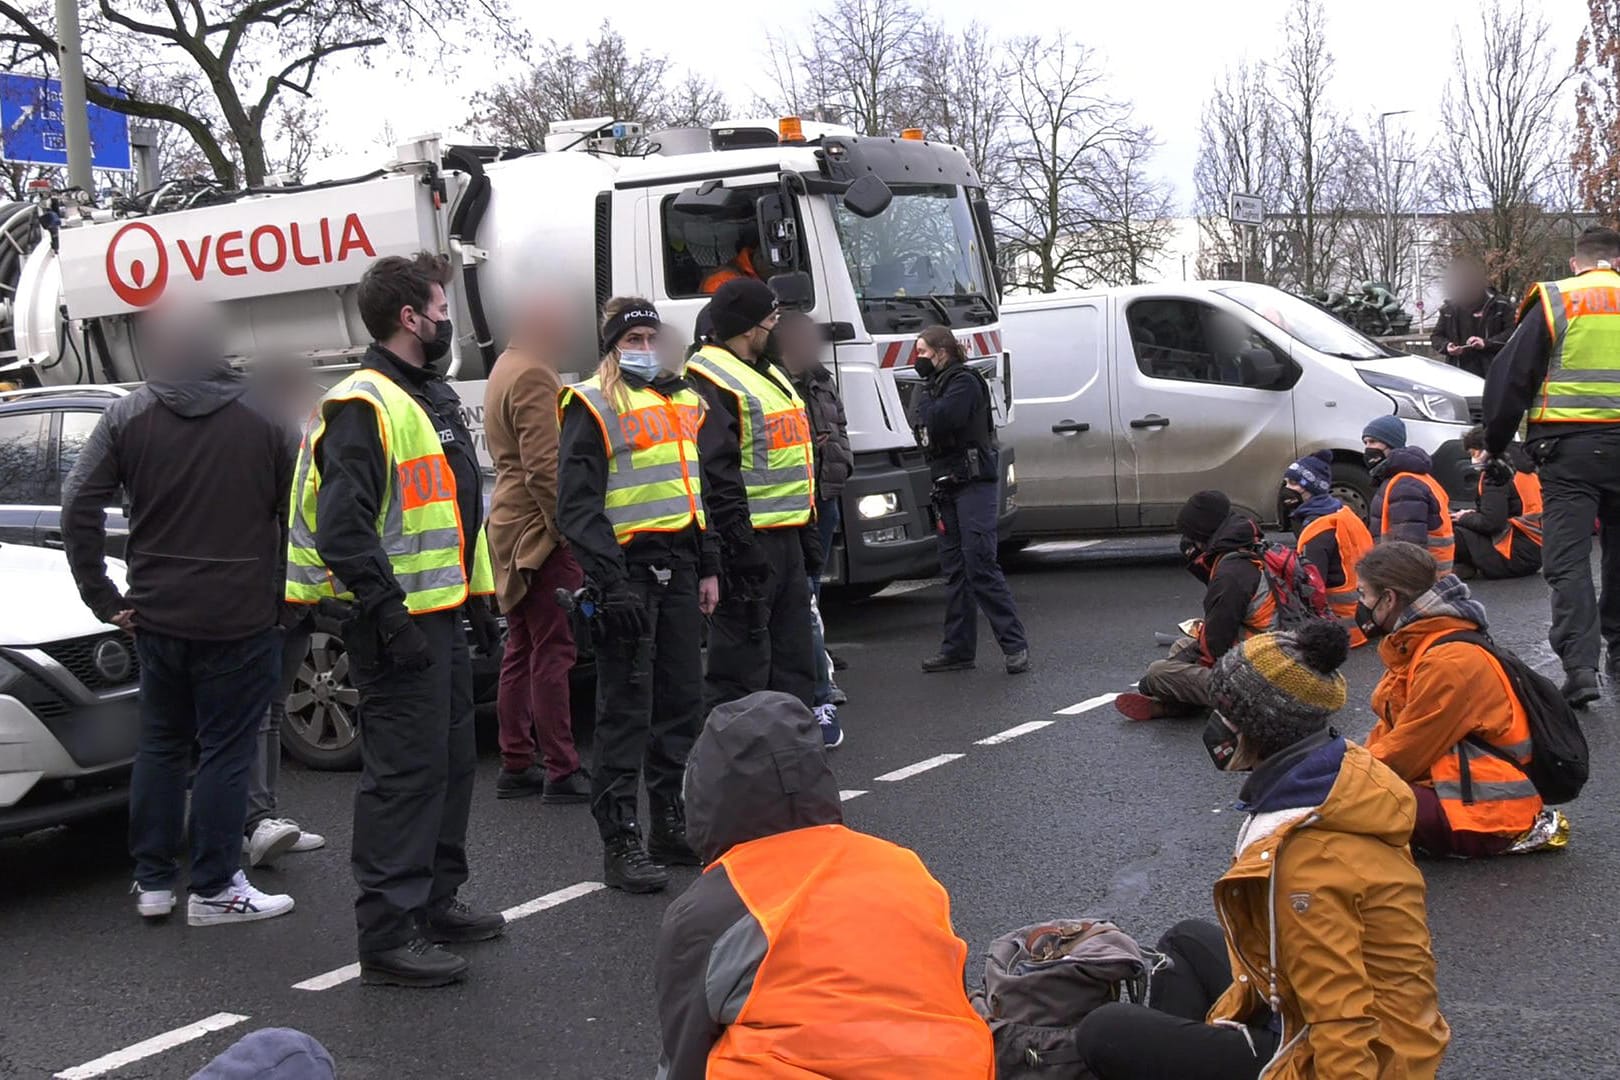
(876, 238)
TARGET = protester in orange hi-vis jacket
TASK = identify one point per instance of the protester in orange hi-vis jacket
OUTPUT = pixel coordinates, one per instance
(1501, 536)
(805, 949)
(1330, 535)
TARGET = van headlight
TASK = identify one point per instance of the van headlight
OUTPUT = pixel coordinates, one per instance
(876, 506)
(1418, 401)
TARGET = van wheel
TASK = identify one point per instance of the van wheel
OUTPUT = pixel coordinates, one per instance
(322, 729)
(1353, 487)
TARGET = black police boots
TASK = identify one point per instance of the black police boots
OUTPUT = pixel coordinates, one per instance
(456, 923)
(1581, 688)
(418, 963)
(625, 866)
(667, 843)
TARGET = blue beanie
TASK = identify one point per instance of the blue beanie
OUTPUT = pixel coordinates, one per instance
(1389, 430)
(1314, 472)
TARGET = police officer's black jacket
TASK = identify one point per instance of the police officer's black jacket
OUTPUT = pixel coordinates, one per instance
(955, 411)
(1490, 320)
(582, 492)
(1515, 381)
(354, 478)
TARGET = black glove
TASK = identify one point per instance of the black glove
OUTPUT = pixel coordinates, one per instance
(815, 556)
(1499, 471)
(404, 645)
(485, 625)
(747, 563)
(621, 614)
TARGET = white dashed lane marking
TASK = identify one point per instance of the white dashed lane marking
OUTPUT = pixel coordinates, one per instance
(335, 977)
(1086, 706)
(845, 796)
(157, 1044)
(1013, 732)
(920, 767)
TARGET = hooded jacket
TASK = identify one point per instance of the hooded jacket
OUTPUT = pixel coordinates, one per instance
(1454, 691)
(760, 970)
(1234, 552)
(1414, 512)
(205, 473)
(1326, 925)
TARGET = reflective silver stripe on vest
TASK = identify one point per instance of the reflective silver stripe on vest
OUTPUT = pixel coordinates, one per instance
(1520, 750)
(1487, 790)
(438, 577)
(611, 428)
(781, 504)
(776, 477)
(756, 415)
(416, 543)
(632, 513)
(1581, 375)
(1582, 401)
(641, 475)
(1560, 318)
(306, 575)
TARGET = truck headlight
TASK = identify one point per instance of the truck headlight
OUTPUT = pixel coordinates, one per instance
(1418, 401)
(1012, 477)
(876, 506)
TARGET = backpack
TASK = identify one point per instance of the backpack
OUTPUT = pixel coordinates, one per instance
(1558, 752)
(1040, 981)
(1296, 585)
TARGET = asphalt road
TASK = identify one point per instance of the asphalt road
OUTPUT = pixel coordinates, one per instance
(1067, 814)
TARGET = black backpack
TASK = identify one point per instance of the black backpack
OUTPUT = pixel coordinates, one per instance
(1558, 752)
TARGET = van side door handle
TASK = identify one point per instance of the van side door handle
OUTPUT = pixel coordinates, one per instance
(1069, 427)
(1151, 420)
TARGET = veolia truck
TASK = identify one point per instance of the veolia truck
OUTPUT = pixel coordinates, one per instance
(877, 238)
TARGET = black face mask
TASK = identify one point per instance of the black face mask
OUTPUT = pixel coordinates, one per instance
(1197, 559)
(435, 350)
(1373, 458)
(924, 367)
(1290, 501)
(1366, 622)
(1220, 740)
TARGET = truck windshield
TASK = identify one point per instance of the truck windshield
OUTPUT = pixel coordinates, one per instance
(920, 257)
(1305, 321)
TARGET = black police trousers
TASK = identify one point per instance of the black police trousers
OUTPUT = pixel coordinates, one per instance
(649, 702)
(765, 643)
(417, 754)
(973, 578)
(1580, 483)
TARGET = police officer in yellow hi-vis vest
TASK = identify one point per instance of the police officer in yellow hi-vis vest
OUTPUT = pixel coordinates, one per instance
(1562, 367)
(759, 479)
(387, 515)
(630, 501)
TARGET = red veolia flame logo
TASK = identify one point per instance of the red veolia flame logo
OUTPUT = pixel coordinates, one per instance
(143, 282)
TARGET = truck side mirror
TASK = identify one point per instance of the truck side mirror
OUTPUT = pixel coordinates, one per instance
(794, 290)
(868, 197)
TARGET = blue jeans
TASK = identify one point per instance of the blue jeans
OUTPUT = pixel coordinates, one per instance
(829, 515)
(214, 694)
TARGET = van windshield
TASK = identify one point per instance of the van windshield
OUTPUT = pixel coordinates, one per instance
(1306, 322)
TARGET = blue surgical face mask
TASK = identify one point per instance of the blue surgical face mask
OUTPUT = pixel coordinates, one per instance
(643, 364)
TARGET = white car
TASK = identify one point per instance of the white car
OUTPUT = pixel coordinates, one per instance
(68, 686)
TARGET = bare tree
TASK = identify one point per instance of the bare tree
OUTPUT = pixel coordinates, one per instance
(1389, 176)
(1238, 151)
(960, 97)
(1597, 111)
(856, 64)
(1502, 142)
(1134, 209)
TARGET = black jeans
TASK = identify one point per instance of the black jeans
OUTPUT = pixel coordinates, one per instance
(649, 702)
(212, 693)
(1580, 483)
(417, 754)
(973, 577)
(1168, 1039)
(766, 644)
(294, 648)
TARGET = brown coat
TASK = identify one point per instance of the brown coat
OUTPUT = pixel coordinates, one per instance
(520, 423)
(1326, 920)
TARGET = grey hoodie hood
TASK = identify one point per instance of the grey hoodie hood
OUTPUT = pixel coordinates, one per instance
(208, 393)
(757, 769)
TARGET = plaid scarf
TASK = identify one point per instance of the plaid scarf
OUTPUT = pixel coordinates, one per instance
(1449, 597)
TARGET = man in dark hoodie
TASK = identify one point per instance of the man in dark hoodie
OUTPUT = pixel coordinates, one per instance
(1410, 504)
(205, 474)
(756, 961)
(1222, 549)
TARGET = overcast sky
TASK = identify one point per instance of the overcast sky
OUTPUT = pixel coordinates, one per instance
(1163, 56)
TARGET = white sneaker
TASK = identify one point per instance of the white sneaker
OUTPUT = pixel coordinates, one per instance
(271, 837)
(307, 841)
(240, 902)
(152, 903)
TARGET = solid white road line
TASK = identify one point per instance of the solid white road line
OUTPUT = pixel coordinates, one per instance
(551, 900)
(1087, 705)
(157, 1044)
(335, 977)
(1013, 732)
(900, 588)
(920, 767)
(845, 796)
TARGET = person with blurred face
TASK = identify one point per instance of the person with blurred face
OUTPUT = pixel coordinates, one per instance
(204, 471)
(1474, 322)
(532, 560)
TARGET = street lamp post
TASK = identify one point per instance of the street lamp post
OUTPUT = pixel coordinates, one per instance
(1417, 246)
(1390, 183)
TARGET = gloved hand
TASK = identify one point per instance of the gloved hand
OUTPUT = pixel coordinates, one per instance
(747, 563)
(621, 615)
(485, 625)
(404, 645)
(815, 556)
(1499, 471)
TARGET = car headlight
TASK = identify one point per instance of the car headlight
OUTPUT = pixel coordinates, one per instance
(1418, 401)
(876, 506)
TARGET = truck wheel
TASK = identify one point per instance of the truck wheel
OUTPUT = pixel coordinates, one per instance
(322, 729)
(1353, 487)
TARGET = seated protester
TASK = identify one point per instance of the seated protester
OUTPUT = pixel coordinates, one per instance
(1222, 549)
(1410, 504)
(1329, 973)
(1501, 536)
(758, 972)
(1435, 701)
(1330, 535)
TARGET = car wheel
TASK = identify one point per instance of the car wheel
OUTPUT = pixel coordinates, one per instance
(322, 729)
(1353, 487)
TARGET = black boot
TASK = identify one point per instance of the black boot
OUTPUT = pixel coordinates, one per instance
(519, 785)
(625, 866)
(456, 923)
(666, 844)
(417, 963)
(1581, 687)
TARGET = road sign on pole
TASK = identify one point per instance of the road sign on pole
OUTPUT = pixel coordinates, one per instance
(1247, 209)
(32, 130)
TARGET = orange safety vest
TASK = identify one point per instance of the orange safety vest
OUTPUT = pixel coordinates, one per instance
(1261, 615)
(1498, 799)
(1528, 523)
(862, 976)
(741, 266)
(1354, 542)
(1442, 541)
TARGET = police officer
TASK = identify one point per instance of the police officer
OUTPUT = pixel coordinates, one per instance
(1562, 366)
(758, 479)
(954, 411)
(387, 516)
(630, 502)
